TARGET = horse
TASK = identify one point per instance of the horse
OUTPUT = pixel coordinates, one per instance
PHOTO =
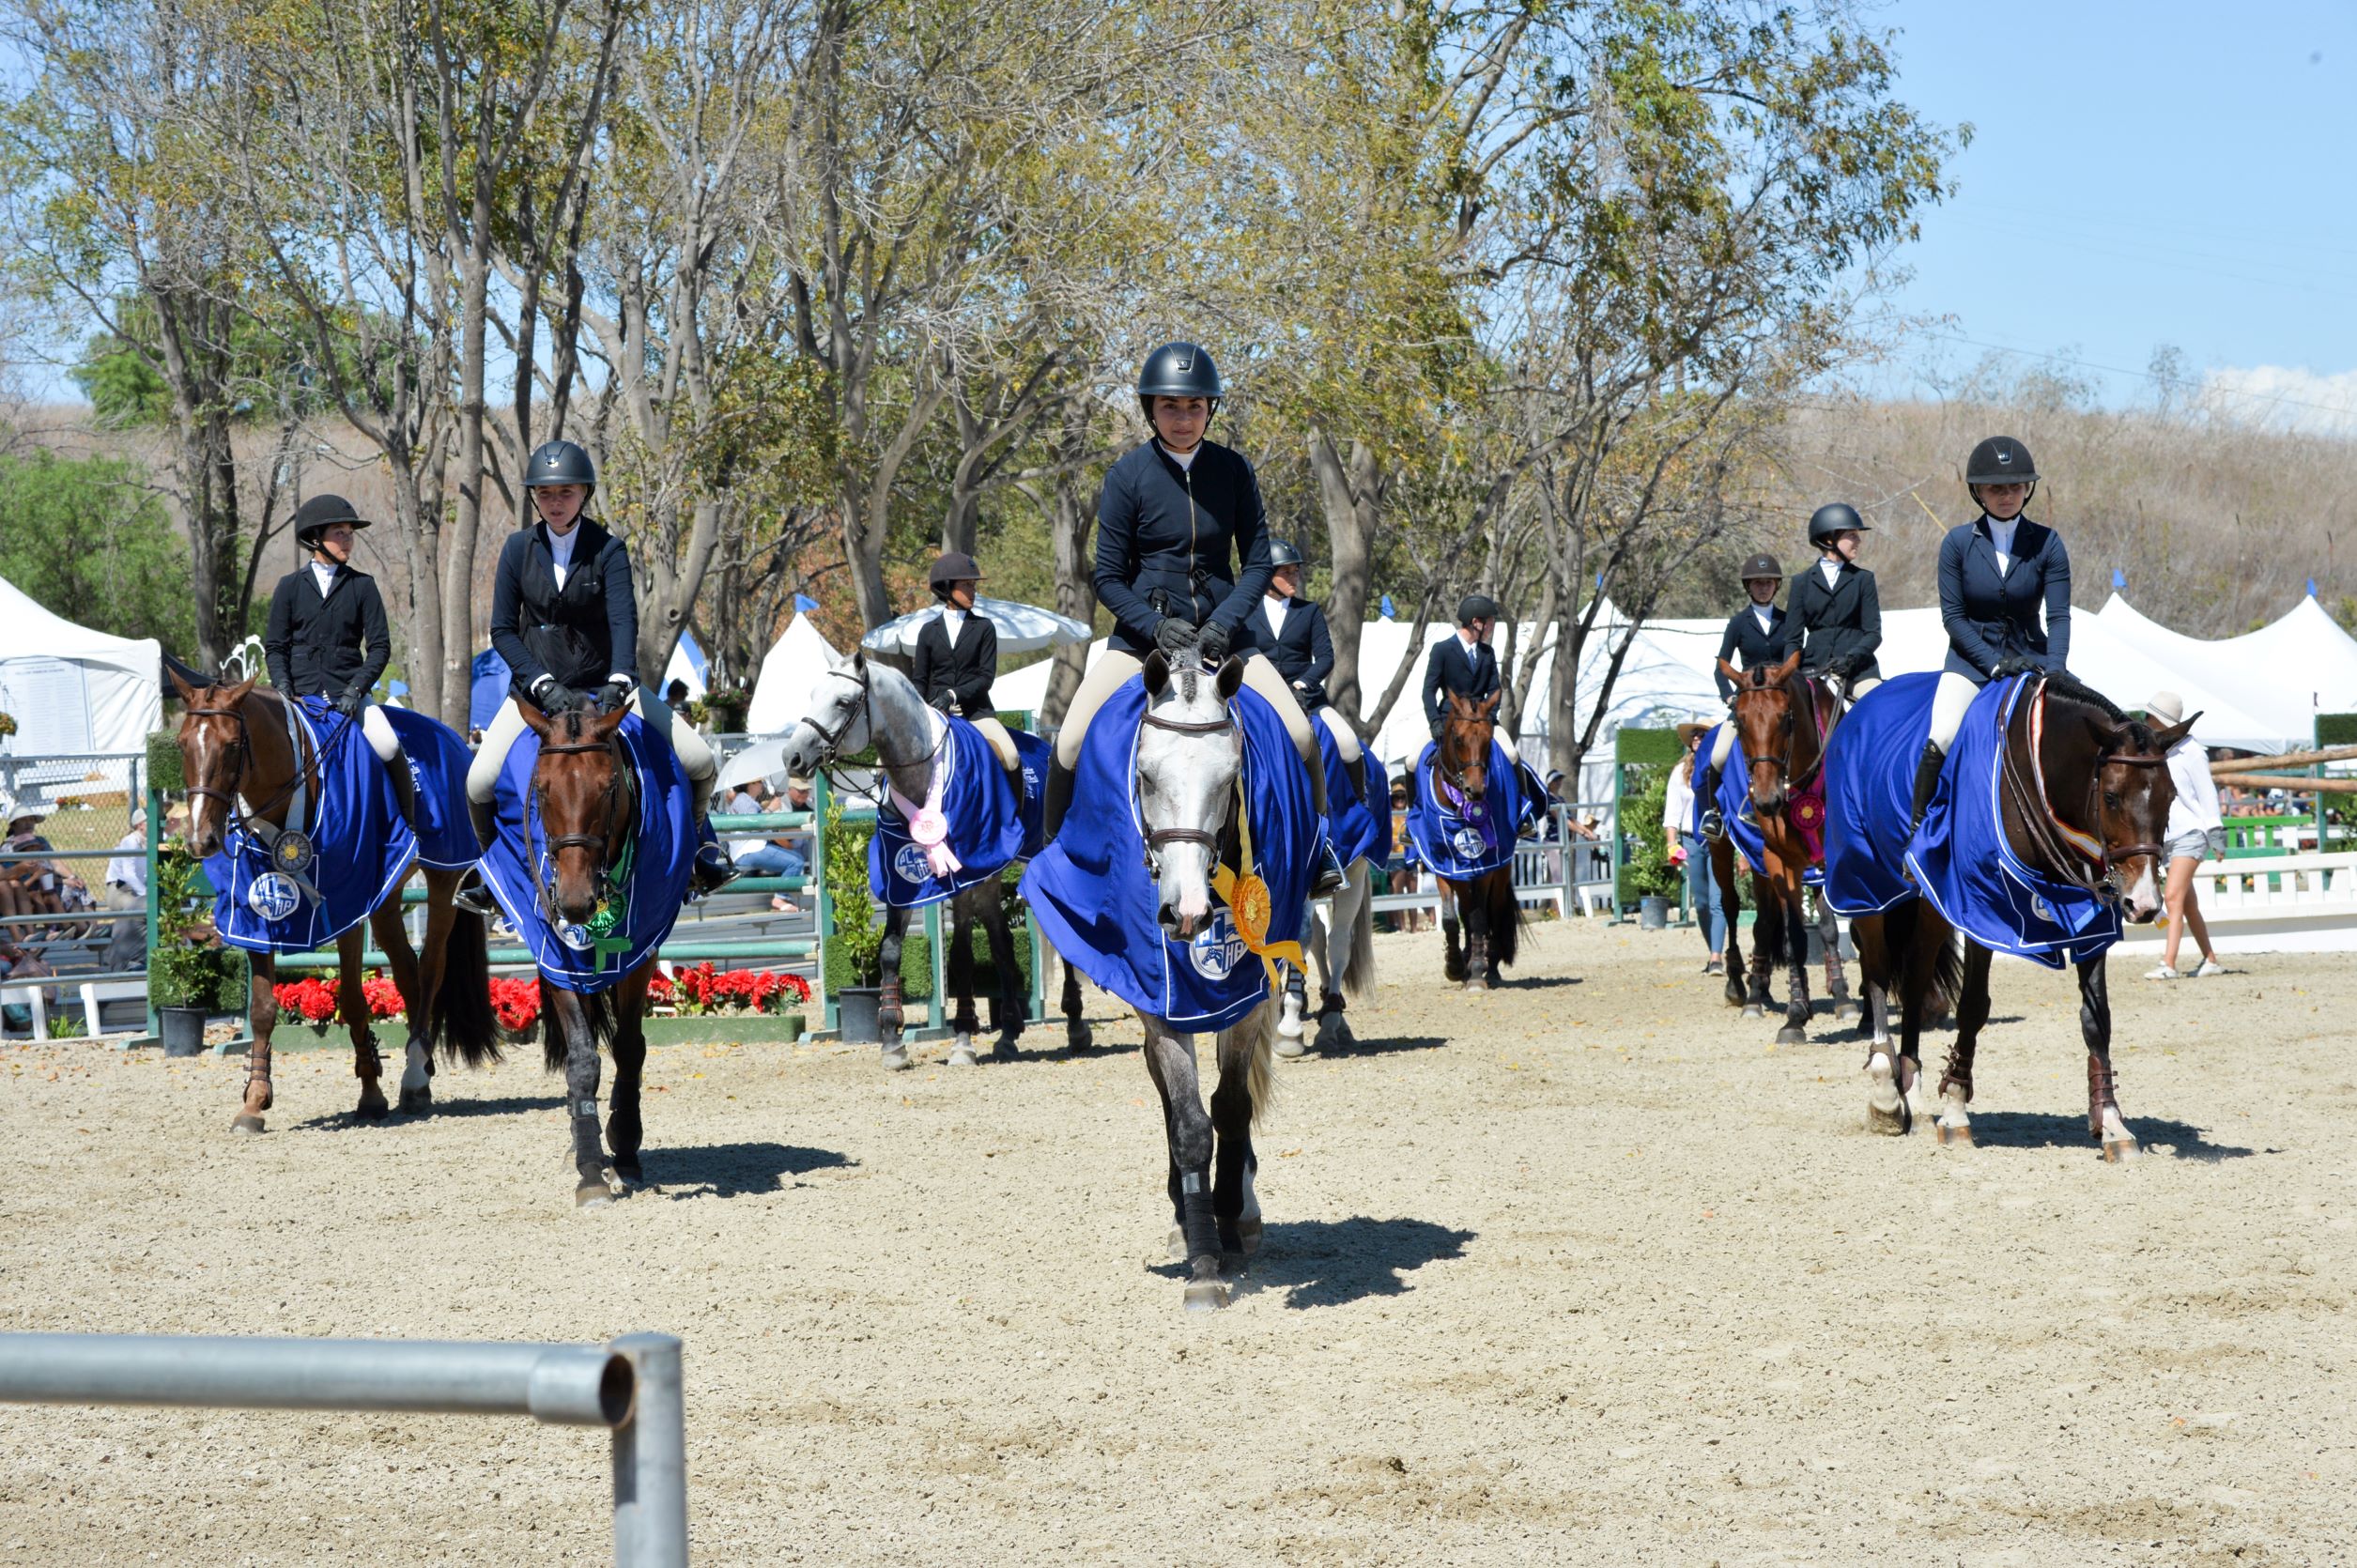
(237, 754)
(1492, 923)
(1344, 947)
(861, 704)
(1780, 716)
(2083, 797)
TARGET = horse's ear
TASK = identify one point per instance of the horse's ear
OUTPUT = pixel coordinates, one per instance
(859, 661)
(1459, 706)
(240, 692)
(2163, 738)
(607, 723)
(1730, 671)
(1785, 668)
(1231, 677)
(1488, 706)
(179, 684)
(539, 722)
(1157, 672)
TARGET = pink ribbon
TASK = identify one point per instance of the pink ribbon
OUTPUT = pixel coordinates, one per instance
(928, 826)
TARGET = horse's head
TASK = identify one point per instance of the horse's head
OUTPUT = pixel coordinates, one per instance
(836, 722)
(2132, 793)
(215, 754)
(1189, 755)
(1466, 730)
(1767, 701)
(581, 790)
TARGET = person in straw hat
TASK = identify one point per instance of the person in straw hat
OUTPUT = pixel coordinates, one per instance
(1687, 849)
(2196, 831)
(26, 886)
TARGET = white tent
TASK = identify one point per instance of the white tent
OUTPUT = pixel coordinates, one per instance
(72, 689)
(2288, 671)
(781, 692)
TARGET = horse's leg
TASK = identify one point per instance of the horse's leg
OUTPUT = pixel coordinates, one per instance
(1077, 1035)
(1887, 944)
(1292, 1002)
(596, 1182)
(889, 1016)
(1244, 1052)
(1837, 977)
(418, 978)
(2104, 1120)
(1873, 978)
(1768, 936)
(1955, 1085)
(261, 1013)
(1170, 1057)
(1348, 946)
(1452, 964)
(625, 1133)
(1473, 907)
(351, 1000)
(1796, 1030)
(958, 974)
(1010, 1004)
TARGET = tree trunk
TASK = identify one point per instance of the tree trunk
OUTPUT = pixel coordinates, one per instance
(458, 544)
(672, 586)
(1350, 494)
(1076, 588)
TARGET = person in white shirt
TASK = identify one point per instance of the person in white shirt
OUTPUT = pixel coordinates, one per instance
(2196, 831)
(1687, 849)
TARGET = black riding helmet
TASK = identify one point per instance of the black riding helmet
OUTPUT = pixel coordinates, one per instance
(1761, 565)
(953, 567)
(321, 513)
(2000, 460)
(1281, 553)
(1476, 607)
(1178, 369)
(560, 462)
(1837, 517)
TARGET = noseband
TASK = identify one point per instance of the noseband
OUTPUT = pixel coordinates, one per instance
(2061, 843)
(1157, 838)
(831, 741)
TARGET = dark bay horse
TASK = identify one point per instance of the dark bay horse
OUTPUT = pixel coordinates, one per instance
(1492, 919)
(2086, 804)
(240, 759)
(586, 793)
(1782, 718)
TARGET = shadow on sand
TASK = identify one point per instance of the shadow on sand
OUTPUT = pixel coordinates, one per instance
(2044, 1130)
(733, 1170)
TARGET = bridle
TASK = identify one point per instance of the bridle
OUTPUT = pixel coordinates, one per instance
(615, 802)
(831, 742)
(1797, 694)
(2067, 849)
(238, 817)
(1453, 774)
(1157, 838)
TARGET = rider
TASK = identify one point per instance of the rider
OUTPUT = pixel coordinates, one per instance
(327, 636)
(1293, 630)
(1754, 635)
(1833, 612)
(1463, 665)
(564, 617)
(957, 654)
(1997, 572)
(1174, 513)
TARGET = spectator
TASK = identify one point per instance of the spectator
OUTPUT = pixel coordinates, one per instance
(675, 695)
(1409, 877)
(782, 855)
(1688, 850)
(26, 886)
(16, 967)
(2196, 831)
(127, 889)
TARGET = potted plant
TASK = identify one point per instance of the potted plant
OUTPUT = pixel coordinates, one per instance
(725, 710)
(854, 948)
(1648, 874)
(189, 975)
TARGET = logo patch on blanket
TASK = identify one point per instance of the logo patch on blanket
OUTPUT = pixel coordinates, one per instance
(982, 825)
(1095, 900)
(1461, 838)
(317, 879)
(641, 902)
(1962, 859)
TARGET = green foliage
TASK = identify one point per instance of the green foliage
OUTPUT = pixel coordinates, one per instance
(1658, 748)
(88, 540)
(190, 968)
(857, 937)
(1647, 870)
(2336, 730)
(166, 770)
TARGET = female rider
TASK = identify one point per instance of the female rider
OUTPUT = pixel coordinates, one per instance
(565, 618)
(1833, 613)
(1294, 633)
(1178, 519)
(1997, 573)
(1754, 635)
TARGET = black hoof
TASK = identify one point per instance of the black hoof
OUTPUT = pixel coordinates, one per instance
(416, 1103)
(1791, 1035)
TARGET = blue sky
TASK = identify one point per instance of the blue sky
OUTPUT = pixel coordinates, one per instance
(2144, 173)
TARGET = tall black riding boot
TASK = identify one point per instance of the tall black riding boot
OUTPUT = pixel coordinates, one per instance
(1059, 797)
(405, 791)
(474, 894)
(1927, 779)
(1714, 824)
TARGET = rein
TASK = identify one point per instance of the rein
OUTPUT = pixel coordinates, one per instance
(831, 741)
(2065, 848)
(251, 819)
(1157, 838)
(1799, 696)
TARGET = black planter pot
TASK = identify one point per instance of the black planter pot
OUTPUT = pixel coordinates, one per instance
(1652, 912)
(856, 1011)
(182, 1030)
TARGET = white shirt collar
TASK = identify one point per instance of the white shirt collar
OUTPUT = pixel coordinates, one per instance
(1832, 571)
(1767, 616)
(1184, 459)
(325, 572)
(1272, 606)
(953, 622)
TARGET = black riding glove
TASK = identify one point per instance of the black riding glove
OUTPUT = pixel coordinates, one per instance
(612, 695)
(2021, 663)
(350, 703)
(1213, 641)
(1174, 637)
(554, 695)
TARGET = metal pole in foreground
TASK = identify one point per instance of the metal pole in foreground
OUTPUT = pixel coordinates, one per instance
(651, 1459)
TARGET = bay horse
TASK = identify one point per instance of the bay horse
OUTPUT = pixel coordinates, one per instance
(1492, 922)
(586, 792)
(2085, 803)
(1784, 718)
(237, 755)
(860, 704)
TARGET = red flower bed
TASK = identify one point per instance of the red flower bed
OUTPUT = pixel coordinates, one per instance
(515, 999)
(313, 999)
(705, 990)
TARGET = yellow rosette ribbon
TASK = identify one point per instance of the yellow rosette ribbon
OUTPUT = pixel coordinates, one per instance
(1250, 907)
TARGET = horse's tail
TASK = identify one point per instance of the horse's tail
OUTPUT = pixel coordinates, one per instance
(1260, 1078)
(1358, 967)
(597, 1005)
(1505, 916)
(1904, 926)
(463, 1023)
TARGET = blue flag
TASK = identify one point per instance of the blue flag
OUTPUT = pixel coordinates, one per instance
(804, 603)
(1389, 613)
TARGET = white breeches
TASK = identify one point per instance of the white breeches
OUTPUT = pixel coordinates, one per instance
(499, 737)
(377, 731)
(1948, 703)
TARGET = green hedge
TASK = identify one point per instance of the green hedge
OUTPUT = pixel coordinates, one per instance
(2336, 730)
(163, 762)
(1658, 748)
(917, 961)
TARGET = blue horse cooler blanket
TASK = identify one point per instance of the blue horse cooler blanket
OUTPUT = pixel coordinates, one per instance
(360, 849)
(989, 827)
(1734, 806)
(1360, 826)
(1460, 840)
(1094, 898)
(1961, 860)
(641, 902)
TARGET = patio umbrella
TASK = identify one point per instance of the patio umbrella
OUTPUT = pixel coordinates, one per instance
(1022, 628)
